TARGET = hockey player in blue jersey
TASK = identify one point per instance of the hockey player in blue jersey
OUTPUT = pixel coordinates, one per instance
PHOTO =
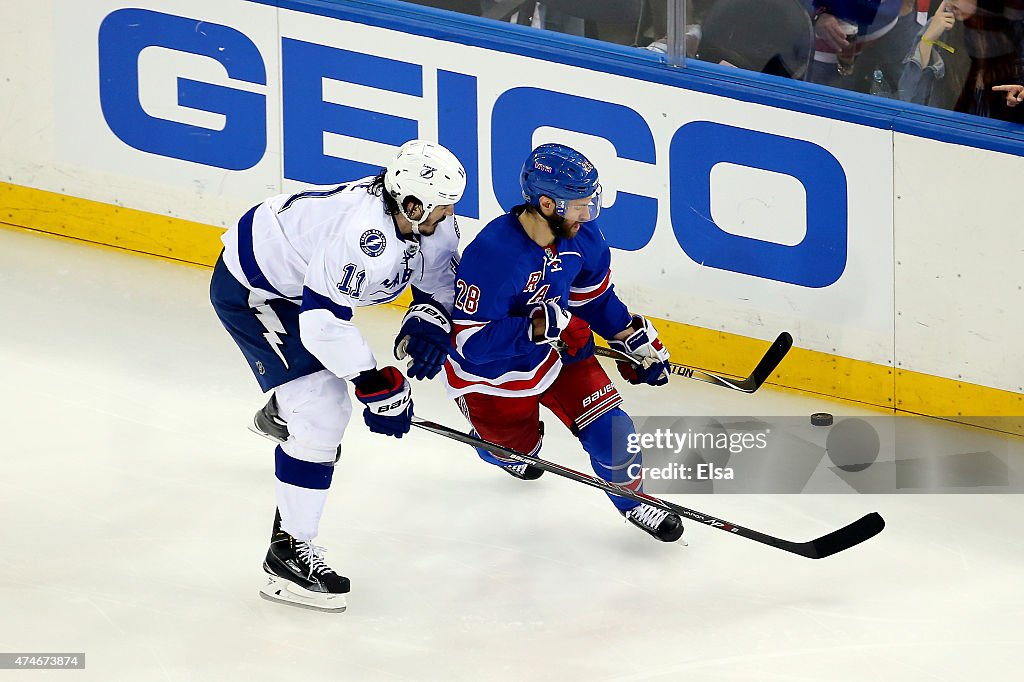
(292, 272)
(529, 290)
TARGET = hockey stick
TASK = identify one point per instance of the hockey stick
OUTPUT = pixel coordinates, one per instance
(857, 532)
(764, 368)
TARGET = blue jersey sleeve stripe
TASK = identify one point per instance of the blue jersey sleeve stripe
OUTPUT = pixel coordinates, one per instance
(312, 193)
(247, 257)
(314, 301)
(297, 472)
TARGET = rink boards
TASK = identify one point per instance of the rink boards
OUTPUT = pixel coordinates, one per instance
(884, 242)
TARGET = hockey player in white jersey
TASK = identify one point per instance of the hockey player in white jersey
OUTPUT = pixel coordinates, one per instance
(292, 272)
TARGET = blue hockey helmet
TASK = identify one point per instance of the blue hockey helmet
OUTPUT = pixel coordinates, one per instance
(566, 177)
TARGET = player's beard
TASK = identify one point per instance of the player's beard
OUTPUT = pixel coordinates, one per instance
(561, 228)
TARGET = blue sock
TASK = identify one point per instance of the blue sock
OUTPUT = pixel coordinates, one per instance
(605, 440)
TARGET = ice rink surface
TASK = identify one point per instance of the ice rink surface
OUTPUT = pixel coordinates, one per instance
(136, 509)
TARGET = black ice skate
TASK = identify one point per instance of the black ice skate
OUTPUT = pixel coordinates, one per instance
(665, 526)
(267, 423)
(298, 576)
(525, 472)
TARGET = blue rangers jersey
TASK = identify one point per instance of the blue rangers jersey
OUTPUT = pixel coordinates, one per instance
(502, 276)
(331, 252)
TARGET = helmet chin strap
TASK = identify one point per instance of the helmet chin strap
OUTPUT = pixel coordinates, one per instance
(413, 222)
(416, 224)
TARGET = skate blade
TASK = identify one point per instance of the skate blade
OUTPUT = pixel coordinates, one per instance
(286, 592)
(259, 432)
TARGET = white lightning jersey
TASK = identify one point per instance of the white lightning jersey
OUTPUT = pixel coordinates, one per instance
(330, 252)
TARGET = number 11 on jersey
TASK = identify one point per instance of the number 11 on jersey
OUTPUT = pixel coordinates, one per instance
(346, 285)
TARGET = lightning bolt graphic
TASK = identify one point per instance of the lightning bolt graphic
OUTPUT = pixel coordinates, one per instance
(272, 323)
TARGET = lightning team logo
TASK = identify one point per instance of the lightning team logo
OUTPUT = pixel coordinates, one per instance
(272, 323)
(373, 243)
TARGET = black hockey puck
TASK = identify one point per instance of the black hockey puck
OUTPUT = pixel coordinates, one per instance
(821, 419)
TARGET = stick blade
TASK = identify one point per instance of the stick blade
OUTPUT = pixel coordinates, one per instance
(862, 529)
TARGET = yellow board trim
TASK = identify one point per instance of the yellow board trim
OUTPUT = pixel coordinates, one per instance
(803, 370)
(100, 223)
(832, 376)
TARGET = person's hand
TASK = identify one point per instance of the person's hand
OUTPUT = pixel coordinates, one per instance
(940, 22)
(568, 334)
(649, 358)
(830, 29)
(1014, 93)
(388, 400)
(425, 336)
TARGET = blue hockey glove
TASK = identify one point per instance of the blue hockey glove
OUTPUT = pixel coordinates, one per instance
(388, 401)
(568, 333)
(425, 336)
(650, 357)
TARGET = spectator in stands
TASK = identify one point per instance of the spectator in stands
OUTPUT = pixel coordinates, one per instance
(773, 37)
(1014, 92)
(967, 58)
(624, 22)
(844, 29)
(887, 54)
(694, 13)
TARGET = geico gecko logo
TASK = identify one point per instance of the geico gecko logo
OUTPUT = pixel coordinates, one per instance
(818, 260)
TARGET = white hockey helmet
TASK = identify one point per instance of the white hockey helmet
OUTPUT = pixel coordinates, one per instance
(427, 171)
